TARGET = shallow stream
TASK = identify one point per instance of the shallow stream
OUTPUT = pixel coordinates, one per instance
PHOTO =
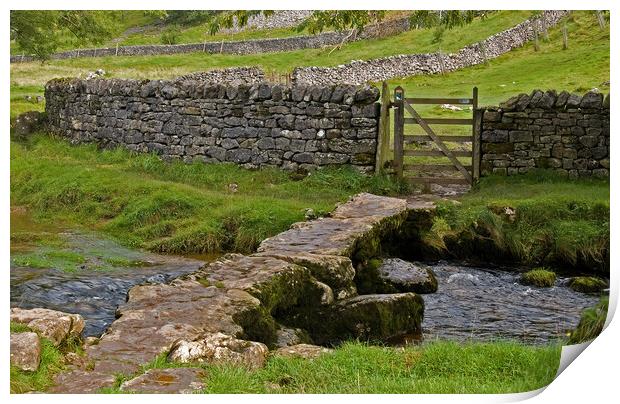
(484, 304)
(471, 302)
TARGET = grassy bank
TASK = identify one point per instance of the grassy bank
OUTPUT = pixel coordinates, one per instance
(535, 219)
(177, 208)
(437, 367)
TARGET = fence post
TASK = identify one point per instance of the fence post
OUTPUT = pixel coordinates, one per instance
(564, 37)
(383, 138)
(399, 120)
(476, 137)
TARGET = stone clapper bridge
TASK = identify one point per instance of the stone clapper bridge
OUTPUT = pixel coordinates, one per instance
(300, 286)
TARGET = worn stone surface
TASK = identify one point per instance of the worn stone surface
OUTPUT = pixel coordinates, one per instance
(25, 350)
(167, 381)
(305, 351)
(567, 133)
(401, 276)
(193, 119)
(220, 348)
(54, 325)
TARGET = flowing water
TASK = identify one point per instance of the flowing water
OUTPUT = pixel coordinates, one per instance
(94, 286)
(484, 304)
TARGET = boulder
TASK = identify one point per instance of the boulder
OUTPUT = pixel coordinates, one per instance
(167, 381)
(398, 275)
(392, 275)
(305, 351)
(220, 348)
(25, 350)
(374, 317)
(290, 336)
(51, 324)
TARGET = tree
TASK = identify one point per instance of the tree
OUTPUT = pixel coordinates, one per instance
(40, 32)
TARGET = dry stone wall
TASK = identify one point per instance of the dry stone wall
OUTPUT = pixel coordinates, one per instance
(382, 29)
(359, 72)
(301, 127)
(564, 132)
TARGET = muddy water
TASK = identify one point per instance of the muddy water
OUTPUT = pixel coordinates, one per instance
(486, 304)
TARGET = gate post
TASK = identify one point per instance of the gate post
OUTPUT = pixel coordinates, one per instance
(399, 126)
(476, 137)
(383, 138)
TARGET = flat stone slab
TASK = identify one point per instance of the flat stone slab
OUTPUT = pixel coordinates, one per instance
(336, 235)
(167, 381)
(25, 350)
(224, 311)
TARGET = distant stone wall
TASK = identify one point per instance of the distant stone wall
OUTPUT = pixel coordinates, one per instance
(231, 75)
(251, 125)
(564, 132)
(391, 27)
(359, 72)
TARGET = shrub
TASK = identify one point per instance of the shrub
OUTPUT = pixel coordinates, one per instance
(591, 323)
(541, 277)
(171, 35)
(587, 284)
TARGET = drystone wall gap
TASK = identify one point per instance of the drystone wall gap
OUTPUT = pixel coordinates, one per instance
(258, 125)
(565, 132)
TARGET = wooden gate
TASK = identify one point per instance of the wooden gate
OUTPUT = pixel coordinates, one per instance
(462, 161)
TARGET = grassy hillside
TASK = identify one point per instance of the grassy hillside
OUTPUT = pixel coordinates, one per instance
(167, 66)
(583, 66)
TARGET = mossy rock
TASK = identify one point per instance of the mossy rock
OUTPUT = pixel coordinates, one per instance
(587, 284)
(393, 275)
(540, 277)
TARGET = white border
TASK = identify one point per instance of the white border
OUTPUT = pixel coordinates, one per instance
(591, 377)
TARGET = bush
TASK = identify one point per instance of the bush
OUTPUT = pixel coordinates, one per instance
(541, 277)
(591, 323)
(171, 35)
(587, 284)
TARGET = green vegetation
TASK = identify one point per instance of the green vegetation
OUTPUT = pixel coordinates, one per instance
(541, 277)
(171, 207)
(538, 218)
(587, 284)
(437, 367)
(591, 323)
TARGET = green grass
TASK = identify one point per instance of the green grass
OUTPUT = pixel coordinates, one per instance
(591, 323)
(171, 207)
(541, 277)
(436, 367)
(558, 222)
